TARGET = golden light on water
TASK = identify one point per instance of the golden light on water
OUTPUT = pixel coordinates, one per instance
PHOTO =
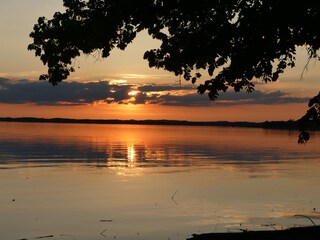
(131, 153)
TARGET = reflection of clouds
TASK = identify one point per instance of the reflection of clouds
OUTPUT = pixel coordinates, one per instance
(123, 154)
(136, 146)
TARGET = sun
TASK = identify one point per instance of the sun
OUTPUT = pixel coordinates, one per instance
(133, 93)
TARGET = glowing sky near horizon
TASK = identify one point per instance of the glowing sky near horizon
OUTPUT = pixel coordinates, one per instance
(124, 87)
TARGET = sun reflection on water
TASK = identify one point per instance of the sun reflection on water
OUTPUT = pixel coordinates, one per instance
(131, 155)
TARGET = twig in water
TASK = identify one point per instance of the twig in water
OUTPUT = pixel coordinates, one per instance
(299, 215)
(215, 227)
(48, 236)
(102, 233)
(174, 196)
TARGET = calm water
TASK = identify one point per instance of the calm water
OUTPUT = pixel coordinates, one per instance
(91, 182)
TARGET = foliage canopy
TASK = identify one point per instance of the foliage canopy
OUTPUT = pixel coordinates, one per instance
(235, 41)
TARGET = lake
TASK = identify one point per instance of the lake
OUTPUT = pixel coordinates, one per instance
(91, 182)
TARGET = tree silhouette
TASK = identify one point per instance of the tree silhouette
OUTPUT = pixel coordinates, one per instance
(312, 115)
(234, 41)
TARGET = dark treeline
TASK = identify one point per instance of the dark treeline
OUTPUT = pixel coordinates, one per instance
(290, 124)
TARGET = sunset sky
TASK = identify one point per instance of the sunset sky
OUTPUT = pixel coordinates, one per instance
(124, 87)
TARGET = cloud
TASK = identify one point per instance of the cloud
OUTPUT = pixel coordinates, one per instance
(157, 88)
(4, 82)
(79, 93)
(169, 95)
(258, 97)
(74, 93)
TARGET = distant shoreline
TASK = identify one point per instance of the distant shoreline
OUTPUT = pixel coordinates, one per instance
(291, 125)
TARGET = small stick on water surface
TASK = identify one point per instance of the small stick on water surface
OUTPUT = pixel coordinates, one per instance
(48, 236)
(172, 198)
(299, 215)
(174, 194)
(102, 233)
(215, 227)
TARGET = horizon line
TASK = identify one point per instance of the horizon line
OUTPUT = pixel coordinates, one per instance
(265, 124)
